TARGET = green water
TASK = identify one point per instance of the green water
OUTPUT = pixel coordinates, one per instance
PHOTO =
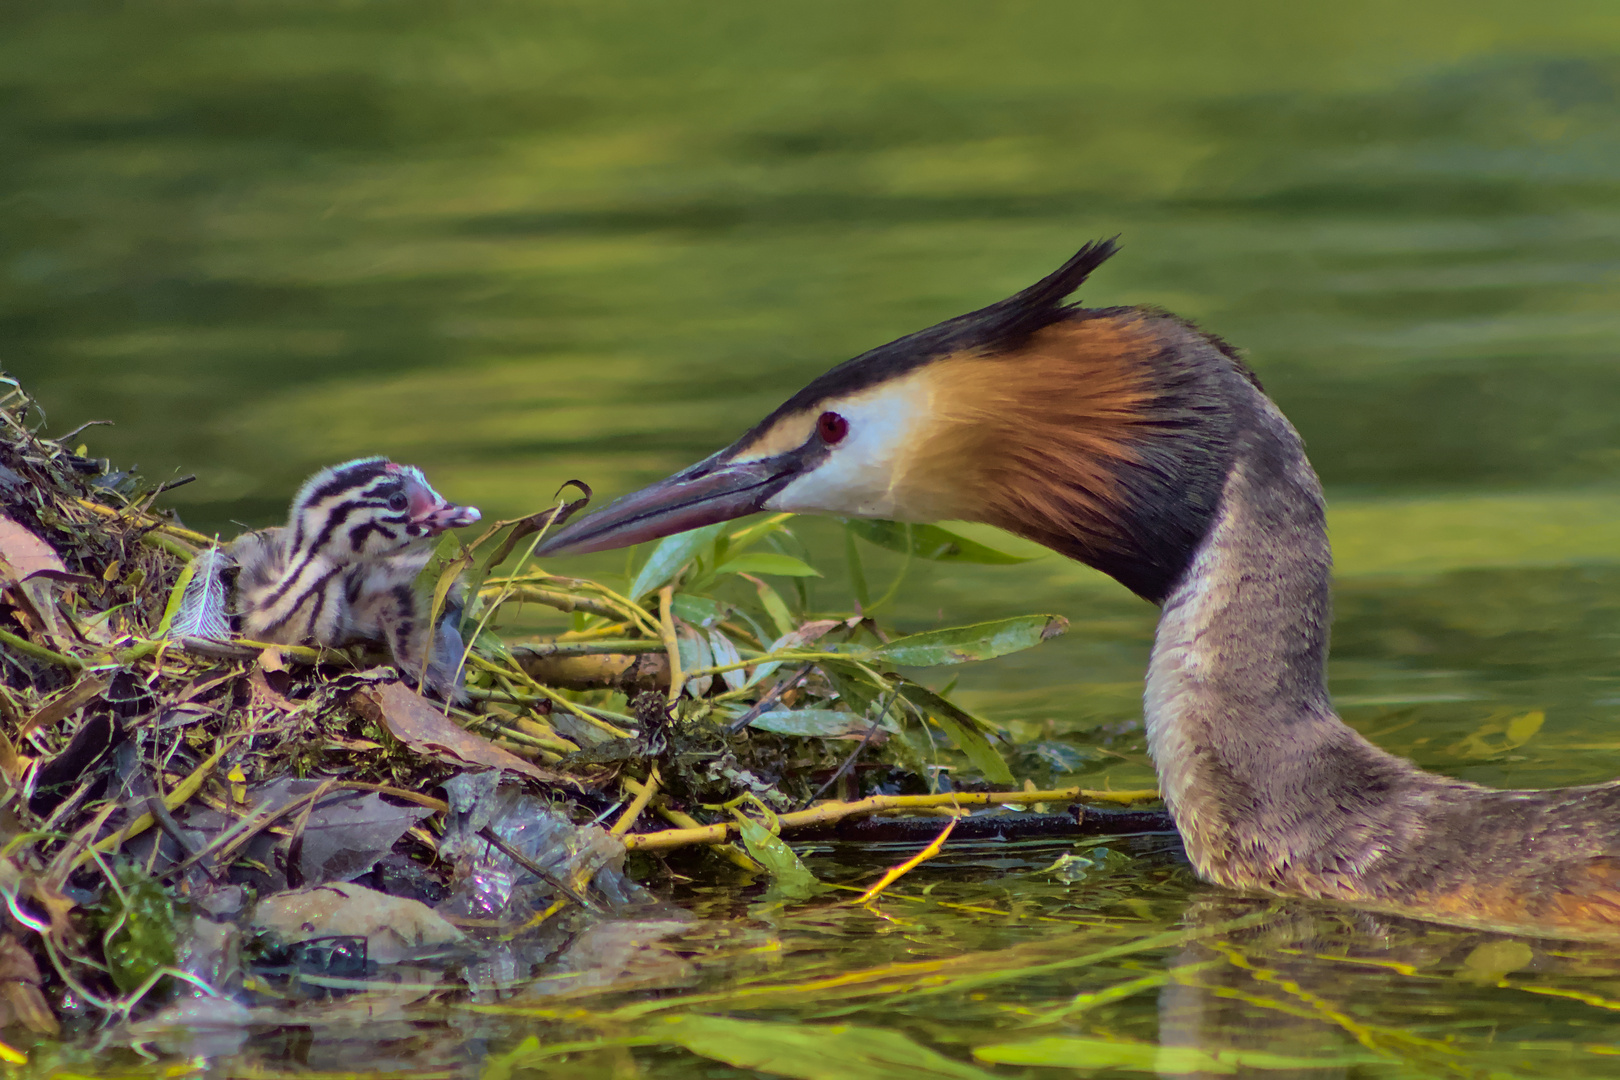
(518, 243)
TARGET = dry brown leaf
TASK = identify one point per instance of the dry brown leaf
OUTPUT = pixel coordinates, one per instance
(394, 927)
(343, 742)
(266, 696)
(28, 567)
(12, 764)
(19, 989)
(58, 906)
(65, 704)
(414, 721)
(22, 554)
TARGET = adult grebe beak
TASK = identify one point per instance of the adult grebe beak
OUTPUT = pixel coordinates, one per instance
(712, 490)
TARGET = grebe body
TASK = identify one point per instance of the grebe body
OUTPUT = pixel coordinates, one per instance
(1132, 441)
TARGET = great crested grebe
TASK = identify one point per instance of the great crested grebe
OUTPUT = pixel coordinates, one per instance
(1130, 440)
(344, 567)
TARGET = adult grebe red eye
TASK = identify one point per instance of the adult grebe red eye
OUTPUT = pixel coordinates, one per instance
(832, 428)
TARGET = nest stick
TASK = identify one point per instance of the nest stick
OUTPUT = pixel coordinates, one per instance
(150, 519)
(562, 601)
(40, 652)
(828, 812)
(181, 792)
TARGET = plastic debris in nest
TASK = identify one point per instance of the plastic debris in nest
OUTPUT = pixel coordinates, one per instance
(516, 857)
(322, 834)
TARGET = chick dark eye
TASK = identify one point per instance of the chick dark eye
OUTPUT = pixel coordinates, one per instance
(398, 501)
(832, 428)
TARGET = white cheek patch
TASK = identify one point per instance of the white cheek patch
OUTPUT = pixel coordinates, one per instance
(859, 475)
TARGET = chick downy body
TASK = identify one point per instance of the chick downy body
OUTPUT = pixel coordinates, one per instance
(343, 569)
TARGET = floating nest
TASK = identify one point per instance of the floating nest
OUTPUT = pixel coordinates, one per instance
(179, 812)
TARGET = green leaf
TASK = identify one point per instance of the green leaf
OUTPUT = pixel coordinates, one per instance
(811, 723)
(980, 641)
(775, 607)
(666, 560)
(810, 1051)
(1491, 962)
(805, 635)
(752, 534)
(697, 610)
(446, 552)
(929, 542)
(765, 562)
(791, 877)
(172, 608)
(1514, 733)
(1080, 1053)
(858, 686)
(965, 730)
(694, 651)
(986, 758)
(724, 651)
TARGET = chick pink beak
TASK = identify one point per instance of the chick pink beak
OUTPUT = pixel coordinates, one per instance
(447, 516)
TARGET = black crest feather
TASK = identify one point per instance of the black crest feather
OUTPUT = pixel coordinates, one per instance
(1006, 324)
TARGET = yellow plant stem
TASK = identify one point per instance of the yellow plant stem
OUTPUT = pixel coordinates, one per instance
(638, 803)
(642, 615)
(672, 645)
(436, 805)
(551, 598)
(179, 549)
(590, 647)
(543, 736)
(685, 823)
(786, 656)
(549, 694)
(829, 812)
(895, 873)
(541, 579)
(40, 652)
(611, 630)
(539, 917)
(304, 653)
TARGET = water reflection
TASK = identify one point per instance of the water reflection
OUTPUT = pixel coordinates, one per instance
(524, 243)
(1303, 981)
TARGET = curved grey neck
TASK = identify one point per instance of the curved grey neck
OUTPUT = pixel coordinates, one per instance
(1266, 784)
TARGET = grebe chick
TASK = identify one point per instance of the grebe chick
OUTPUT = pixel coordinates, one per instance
(343, 569)
(1130, 440)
